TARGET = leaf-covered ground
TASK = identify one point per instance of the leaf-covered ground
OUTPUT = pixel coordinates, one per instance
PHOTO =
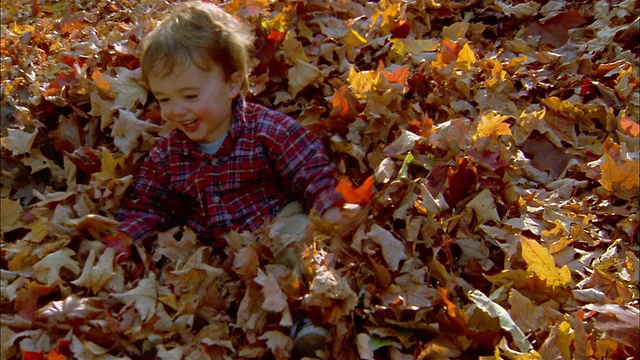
(502, 137)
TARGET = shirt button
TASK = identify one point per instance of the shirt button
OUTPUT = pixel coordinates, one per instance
(214, 162)
(216, 199)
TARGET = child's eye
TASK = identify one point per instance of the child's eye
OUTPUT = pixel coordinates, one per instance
(191, 96)
(163, 101)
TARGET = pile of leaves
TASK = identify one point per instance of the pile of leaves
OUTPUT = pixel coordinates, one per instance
(492, 146)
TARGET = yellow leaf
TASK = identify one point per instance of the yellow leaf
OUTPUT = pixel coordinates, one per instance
(618, 173)
(127, 88)
(39, 231)
(492, 125)
(363, 82)
(540, 262)
(109, 166)
(101, 82)
(466, 58)
(354, 39)
(564, 339)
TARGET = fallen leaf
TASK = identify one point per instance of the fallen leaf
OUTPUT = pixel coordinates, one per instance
(496, 311)
(360, 195)
(301, 75)
(95, 276)
(143, 297)
(392, 248)
(48, 269)
(541, 263)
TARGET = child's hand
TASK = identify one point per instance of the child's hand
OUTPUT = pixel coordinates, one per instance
(121, 243)
(341, 219)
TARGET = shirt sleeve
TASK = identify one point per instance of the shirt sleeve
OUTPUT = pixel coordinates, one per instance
(303, 163)
(145, 209)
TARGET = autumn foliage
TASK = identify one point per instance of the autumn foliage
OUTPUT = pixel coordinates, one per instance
(492, 146)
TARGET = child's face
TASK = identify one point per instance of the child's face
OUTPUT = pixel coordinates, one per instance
(196, 101)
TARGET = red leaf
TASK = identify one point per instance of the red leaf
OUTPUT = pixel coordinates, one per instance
(361, 195)
(401, 30)
(32, 355)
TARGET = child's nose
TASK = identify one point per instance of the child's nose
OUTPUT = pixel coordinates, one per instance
(178, 109)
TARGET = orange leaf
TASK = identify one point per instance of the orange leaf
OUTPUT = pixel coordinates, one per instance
(629, 127)
(397, 75)
(343, 103)
(55, 355)
(100, 81)
(361, 195)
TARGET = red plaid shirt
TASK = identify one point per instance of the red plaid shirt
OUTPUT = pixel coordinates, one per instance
(267, 160)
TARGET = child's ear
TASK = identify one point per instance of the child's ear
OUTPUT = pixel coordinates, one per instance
(236, 81)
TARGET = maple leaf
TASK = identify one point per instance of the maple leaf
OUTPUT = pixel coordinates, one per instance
(126, 86)
(143, 297)
(360, 195)
(274, 298)
(301, 75)
(95, 276)
(71, 309)
(26, 302)
(279, 343)
(619, 175)
(48, 269)
(126, 130)
(109, 166)
(466, 58)
(492, 125)
(484, 206)
(542, 264)
(18, 141)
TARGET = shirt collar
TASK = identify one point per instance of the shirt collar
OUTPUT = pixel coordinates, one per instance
(238, 117)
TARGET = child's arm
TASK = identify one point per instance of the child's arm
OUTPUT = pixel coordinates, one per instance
(303, 164)
(149, 203)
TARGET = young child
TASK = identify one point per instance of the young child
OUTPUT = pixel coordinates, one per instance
(227, 164)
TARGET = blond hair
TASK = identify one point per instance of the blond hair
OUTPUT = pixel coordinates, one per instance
(201, 34)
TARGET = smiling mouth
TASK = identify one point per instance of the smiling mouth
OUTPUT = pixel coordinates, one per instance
(190, 125)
